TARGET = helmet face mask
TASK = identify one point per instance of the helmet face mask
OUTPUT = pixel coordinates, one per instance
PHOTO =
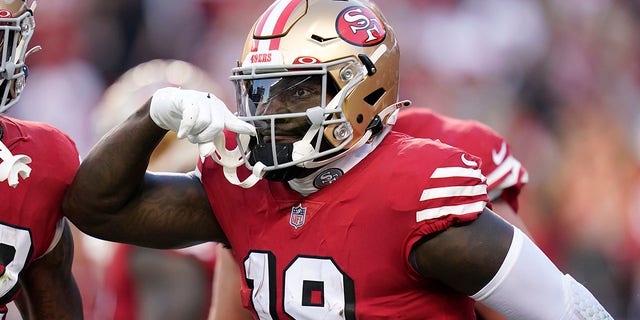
(16, 29)
(308, 81)
(293, 106)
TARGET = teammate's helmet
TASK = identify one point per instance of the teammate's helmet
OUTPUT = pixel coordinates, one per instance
(16, 28)
(314, 78)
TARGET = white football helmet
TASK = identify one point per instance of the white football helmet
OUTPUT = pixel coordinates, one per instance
(16, 29)
(317, 78)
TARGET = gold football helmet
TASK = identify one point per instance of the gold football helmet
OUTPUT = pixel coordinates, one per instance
(317, 78)
(16, 28)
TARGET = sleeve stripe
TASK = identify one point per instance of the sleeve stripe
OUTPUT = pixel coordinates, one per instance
(457, 172)
(455, 210)
(443, 192)
(511, 166)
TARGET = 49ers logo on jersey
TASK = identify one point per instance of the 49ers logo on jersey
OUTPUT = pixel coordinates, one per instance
(360, 26)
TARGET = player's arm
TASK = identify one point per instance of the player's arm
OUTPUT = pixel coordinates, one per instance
(499, 266)
(113, 197)
(226, 302)
(49, 290)
(503, 209)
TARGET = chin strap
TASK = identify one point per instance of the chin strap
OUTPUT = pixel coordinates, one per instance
(230, 160)
(13, 166)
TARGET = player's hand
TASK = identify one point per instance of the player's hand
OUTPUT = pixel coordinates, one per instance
(196, 115)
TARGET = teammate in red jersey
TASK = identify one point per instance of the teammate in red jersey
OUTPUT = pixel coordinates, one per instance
(330, 213)
(505, 174)
(37, 163)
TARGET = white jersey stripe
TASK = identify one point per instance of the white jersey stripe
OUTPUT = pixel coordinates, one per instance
(457, 172)
(509, 167)
(458, 191)
(462, 209)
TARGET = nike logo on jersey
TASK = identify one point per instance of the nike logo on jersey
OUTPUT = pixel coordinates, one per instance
(499, 156)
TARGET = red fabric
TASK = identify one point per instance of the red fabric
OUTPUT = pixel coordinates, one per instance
(505, 173)
(33, 207)
(358, 232)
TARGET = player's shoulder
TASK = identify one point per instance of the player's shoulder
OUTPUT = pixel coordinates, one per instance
(38, 139)
(423, 122)
(23, 129)
(469, 135)
(409, 153)
(431, 178)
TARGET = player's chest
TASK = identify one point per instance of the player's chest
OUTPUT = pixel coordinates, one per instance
(26, 228)
(315, 258)
(28, 217)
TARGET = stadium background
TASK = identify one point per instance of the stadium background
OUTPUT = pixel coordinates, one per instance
(560, 79)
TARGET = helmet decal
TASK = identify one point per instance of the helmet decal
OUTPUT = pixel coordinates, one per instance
(359, 26)
(272, 22)
(306, 60)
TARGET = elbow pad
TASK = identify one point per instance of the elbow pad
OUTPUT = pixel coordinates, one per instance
(529, 286)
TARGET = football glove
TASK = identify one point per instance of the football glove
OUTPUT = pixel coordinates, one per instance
(198, 116)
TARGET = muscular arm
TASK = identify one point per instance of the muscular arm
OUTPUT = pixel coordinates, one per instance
(49, 290)
(480, 246)
(498, 265)
(114, 198)
(504, 210)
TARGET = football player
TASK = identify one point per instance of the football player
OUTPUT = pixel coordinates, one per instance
(329, 213)
(37, 163)
(505, 178)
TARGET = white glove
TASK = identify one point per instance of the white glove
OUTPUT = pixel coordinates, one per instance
(199, 116)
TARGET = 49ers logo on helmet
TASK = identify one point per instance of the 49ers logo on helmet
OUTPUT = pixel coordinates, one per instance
(360, 26)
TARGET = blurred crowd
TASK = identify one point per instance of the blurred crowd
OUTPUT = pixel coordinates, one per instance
(560, 79)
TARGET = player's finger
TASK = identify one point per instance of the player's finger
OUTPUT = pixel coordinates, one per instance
(189, 116)
(234, 124)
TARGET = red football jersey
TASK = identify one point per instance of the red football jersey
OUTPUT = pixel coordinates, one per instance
(505, 174)
(31, 213)
(343, 251)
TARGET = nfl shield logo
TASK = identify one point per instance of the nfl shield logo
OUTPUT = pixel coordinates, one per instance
(298, 215)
